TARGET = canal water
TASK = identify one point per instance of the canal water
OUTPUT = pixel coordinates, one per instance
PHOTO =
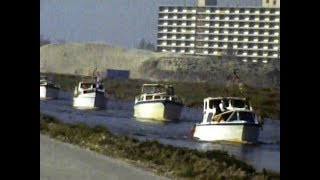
(118, 118)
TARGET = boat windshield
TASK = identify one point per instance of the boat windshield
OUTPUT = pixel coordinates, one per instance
(234, 117)
(225, 116)
(246, 116)
(153, 89)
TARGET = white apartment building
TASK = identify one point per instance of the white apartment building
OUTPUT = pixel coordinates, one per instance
(249, 33)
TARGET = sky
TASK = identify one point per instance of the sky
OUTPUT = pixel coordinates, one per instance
(117, 22)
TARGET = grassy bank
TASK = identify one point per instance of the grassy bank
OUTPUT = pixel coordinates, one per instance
(163, 159)
(265, 100)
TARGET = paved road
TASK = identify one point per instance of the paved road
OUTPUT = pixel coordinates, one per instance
(65, 161)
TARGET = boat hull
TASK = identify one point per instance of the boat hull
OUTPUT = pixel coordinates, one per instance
(237, 132)
(162, 110)
(92, 100)
(47, 92)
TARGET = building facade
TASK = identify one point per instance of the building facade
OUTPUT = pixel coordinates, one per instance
(245, 33)
(270, 3)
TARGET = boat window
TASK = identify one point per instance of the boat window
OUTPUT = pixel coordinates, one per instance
(226, 102)
(234, 117)
(85, 85)
(217, 102)
(238, 103)
(156, 97)
(214, 103)
(148, 97)
(225, 116)
(246, 116)
(205, 105)
(211, 104)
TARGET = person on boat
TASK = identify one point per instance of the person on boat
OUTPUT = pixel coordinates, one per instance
(96, 75)
(222, 106)
(217, 116)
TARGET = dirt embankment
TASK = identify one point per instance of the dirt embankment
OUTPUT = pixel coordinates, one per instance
(81, 58)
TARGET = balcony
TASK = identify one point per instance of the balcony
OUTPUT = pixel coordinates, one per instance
(171, 25)
(251, 56)
(232, 20)
(175, 46)
(178, 19)
(236, 42)
(179, 12)
(238, 13)
(169, 32)
(176, 39)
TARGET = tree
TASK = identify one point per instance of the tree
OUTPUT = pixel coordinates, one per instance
(143, 44)
(150, 47)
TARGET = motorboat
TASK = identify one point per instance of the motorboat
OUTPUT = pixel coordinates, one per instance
(48, 90)
(228, 119)
(89, 95)
(158, 102)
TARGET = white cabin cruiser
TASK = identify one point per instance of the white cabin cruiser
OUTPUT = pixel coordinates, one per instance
(89, 95)
(48, 90)
(158, 102)
(235, 122)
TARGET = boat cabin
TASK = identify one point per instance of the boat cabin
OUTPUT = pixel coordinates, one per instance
(88, 87)
(217, 105)
(43, 78)
(153, 92)
(44, 81)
